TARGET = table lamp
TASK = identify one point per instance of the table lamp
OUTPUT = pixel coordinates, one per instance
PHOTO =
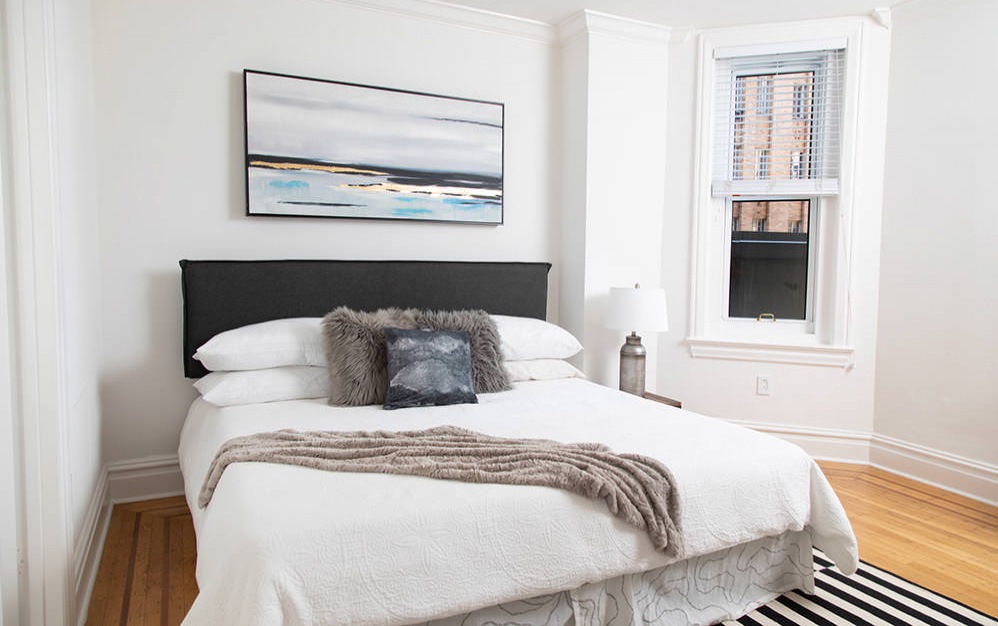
(635, 309)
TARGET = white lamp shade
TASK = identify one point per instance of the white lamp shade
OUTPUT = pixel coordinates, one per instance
(637, 309)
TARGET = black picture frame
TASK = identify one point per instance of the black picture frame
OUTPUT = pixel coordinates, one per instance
(324, 148)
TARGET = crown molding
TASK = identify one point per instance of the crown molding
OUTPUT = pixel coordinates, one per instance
(585, 21)
(454, 15)
(594, 22)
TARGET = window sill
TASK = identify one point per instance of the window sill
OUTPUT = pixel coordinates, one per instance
(796, 354)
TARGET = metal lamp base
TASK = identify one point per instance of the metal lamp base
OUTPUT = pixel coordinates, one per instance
(632, 365)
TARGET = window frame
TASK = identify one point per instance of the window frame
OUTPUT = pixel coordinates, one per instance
(825, 341)
(746, 327)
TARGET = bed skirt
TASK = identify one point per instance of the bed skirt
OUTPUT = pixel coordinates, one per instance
(700, 590)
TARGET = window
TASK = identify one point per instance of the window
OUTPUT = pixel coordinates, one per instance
(800, 100)
(761, 163)
(795, 165)
(764, 94)
(769, 271)
(775, 118)
(794, 125)
(780, 240)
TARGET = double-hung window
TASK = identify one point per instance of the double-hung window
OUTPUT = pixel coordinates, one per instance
(772, 239)
(784, 109)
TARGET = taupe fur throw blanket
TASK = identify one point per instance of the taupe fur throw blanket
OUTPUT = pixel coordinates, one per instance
(638, 489)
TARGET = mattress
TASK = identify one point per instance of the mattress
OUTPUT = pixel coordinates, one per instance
(288, 545)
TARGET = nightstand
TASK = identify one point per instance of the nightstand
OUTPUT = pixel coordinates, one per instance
(657, 398)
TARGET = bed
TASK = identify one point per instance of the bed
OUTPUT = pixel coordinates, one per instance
(283, 545)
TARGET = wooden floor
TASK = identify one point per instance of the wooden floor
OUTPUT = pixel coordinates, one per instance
(929, 536)
(146, 574)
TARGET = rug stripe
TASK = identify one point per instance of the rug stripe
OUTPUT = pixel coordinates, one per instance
(871, 597)
(871, 600)
(929, 611)
(822, 560)
(755, 618)
(931, 603)
(846, 609)
(943, 605)
(797, 614)
(770, 611)
(821, 614)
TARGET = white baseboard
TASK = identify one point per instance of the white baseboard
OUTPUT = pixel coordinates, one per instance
(827, 444)
(144, 479)
(967, 477)
(90, 545)
(128, 481)
(951, 472)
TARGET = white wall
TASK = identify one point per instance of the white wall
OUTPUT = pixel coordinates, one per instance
(936, 354)
(79, 279)
(804, 398)
(616, 95)
(171, 186)
(169, 99)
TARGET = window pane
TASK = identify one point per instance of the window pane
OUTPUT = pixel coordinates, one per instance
(769, 256)
(773, 120)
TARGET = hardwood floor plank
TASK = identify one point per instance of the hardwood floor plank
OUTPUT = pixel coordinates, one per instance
(937, 539)
(108, 594)
(180, 569)
(137, 592)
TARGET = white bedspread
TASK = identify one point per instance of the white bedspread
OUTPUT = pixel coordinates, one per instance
(283, 545)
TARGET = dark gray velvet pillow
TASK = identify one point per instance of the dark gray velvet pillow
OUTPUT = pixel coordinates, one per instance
(487, 368)
(355, 352)
(428, 368)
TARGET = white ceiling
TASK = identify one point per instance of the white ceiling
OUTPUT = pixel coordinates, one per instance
(680, 13)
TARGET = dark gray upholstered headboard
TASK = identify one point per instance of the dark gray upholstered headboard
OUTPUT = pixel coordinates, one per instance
(222, 295)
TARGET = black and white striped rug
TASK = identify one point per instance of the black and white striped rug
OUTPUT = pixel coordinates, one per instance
(870, 596)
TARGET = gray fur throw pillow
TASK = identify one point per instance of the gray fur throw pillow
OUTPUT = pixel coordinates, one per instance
(356, 355)
(487, 369)
(355, 352)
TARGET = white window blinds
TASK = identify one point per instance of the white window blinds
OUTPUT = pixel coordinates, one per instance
(776, 123)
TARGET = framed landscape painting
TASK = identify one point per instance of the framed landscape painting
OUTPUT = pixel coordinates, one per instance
(323, 148)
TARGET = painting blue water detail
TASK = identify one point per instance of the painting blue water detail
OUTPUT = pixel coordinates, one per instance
(320, 148)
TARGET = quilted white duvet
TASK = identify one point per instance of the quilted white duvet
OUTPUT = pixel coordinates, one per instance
(281, 545)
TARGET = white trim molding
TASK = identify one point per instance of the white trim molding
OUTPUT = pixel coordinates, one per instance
(455, 15)
(30, 32)
(967, 477)
(817, 354)
(594, 22)
(830, 444)
(144, 479)
(90, 545)
(119, 482)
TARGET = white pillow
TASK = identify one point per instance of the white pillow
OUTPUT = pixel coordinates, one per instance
(277, 343)
(526, 338)
(264, 385)
(541, 369)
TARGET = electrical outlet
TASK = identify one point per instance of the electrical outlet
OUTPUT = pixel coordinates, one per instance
(762, 385)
